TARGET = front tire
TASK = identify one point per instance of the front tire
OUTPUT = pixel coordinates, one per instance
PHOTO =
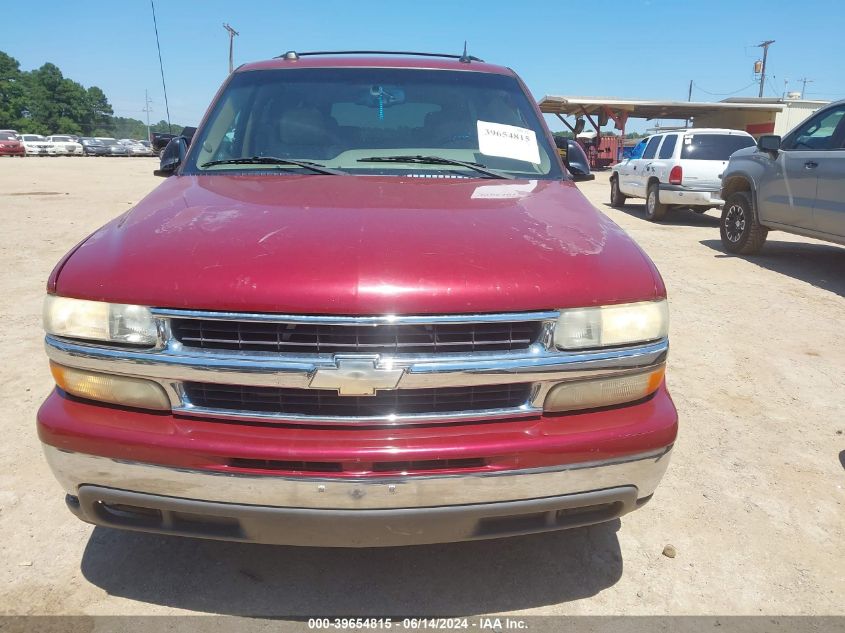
(654, 211)
(741, 231)
(617, 198)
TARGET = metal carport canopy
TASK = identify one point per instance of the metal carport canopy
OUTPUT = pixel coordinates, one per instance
(620, 110)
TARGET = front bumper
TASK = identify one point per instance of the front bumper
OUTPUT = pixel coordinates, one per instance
(361, 512)
(689, 197)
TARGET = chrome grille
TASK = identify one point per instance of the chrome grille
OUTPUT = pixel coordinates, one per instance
(317, 338)
(328, 404)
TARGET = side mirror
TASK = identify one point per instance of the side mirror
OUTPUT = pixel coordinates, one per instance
(172, 157)
(188, 134)
(579, 176)
(576, 162)
(769, 143)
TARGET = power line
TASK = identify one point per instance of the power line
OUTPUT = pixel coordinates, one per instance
(161, 67)
(772, 86)
(724, 94)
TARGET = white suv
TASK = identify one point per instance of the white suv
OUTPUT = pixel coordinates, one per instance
(677, 169)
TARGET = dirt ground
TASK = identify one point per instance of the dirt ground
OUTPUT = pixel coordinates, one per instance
(753, 500)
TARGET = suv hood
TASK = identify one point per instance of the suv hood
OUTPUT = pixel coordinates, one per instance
(360, 245)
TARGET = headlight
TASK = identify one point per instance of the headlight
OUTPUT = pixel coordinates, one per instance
(603, 392)
(125, 390)
(98, 321)
(608, 326)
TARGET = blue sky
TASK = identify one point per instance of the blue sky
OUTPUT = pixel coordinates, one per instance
(648, 49)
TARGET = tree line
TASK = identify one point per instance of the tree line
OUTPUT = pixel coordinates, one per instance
(43, 101)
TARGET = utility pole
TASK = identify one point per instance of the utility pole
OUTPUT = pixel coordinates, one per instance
(689, 98)
(232, 34)
(147, 109)
(765, 46)
(804, 83)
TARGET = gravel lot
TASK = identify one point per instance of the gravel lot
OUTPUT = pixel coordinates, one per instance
(753, 500)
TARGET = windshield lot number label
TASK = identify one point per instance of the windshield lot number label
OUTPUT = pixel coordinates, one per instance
(508, 141)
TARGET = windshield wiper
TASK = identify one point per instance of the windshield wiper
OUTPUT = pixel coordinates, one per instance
(272, 160)
(435, 160)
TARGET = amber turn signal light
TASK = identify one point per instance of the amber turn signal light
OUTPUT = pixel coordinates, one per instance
(122, 390)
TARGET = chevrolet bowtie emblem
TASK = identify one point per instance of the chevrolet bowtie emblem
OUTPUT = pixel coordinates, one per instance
(356, 377)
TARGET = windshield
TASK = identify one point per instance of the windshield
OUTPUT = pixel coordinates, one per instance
(338, 117)
(713, 146)
(60, 139)
(108, 141)
(32, 137)
(4, 136)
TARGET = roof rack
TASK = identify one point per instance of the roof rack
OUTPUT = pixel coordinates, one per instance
(462, 58)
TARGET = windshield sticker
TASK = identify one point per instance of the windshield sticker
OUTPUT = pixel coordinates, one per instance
(503, 192)
(508, 141)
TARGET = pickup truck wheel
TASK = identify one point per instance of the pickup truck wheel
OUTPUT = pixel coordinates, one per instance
(739, 227)
(617, 198)
(654, 211)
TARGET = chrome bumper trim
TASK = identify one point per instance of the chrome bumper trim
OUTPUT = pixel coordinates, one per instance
(173, 365)
(420, 372)
(388, 319)
(76, 469)
(505, 413)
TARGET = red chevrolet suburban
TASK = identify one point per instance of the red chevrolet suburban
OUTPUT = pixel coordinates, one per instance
(367, 307)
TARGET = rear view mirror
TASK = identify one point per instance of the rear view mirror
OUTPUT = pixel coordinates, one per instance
(769, 143)
(382, 96)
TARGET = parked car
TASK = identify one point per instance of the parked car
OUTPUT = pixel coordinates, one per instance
(135, 148)
(678, 169)
(795, 184)
(372, 309)
(93, 147)
(37, 145)
(159, 141)
(113, 148)
(10, 145)
(66, 145)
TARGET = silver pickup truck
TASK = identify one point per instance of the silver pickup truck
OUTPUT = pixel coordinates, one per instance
(795, 184)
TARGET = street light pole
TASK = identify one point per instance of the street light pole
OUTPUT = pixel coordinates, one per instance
(765, 46)
(232, 34)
